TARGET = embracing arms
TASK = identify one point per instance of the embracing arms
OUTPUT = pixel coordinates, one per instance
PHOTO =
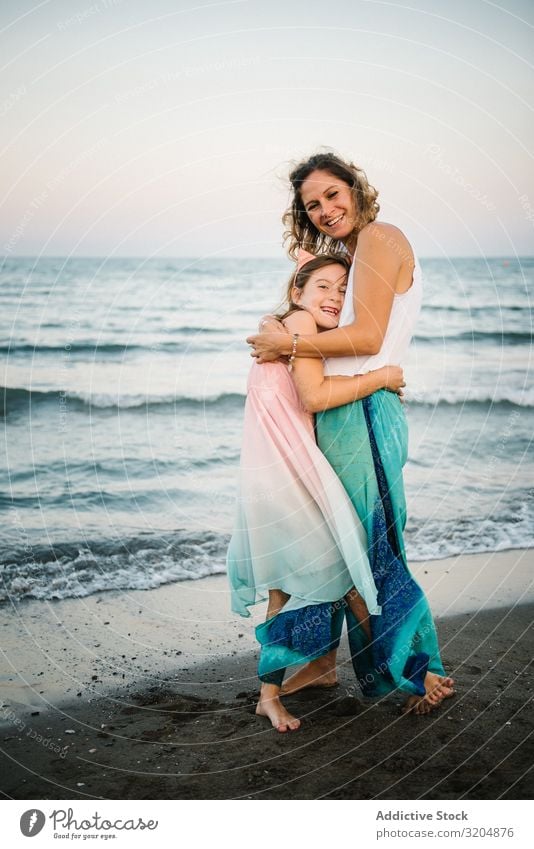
(318, 392)
(379, 254)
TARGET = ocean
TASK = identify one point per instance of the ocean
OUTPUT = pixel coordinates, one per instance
(124, 384)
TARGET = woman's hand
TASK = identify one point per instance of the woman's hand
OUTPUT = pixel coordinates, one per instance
(393, 379)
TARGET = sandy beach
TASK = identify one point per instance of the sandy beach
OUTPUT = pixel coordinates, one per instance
(150, 694)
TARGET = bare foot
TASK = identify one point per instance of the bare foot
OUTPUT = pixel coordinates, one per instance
(270, 706)
(316, 673)
(438, 687)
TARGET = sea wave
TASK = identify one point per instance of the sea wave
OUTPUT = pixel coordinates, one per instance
(18, 399)
(434, 539)
(208, 339)
(79, 569)
(97, 347)
(477, 309)
(502, 338)
(75, 570)
(131, 468)
(472, 396)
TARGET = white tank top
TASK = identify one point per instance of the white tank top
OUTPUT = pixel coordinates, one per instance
(399, 332)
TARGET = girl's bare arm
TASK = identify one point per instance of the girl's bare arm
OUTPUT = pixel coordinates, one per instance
(318, 392)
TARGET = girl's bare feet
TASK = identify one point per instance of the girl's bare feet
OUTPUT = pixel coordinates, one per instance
(316, 673)
(322, 672)
(438, 687)
(270, 706)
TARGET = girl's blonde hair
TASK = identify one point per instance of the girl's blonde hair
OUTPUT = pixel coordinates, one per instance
(299, 278)
(300, 232)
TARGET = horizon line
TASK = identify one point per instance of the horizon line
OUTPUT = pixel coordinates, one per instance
(259, 257)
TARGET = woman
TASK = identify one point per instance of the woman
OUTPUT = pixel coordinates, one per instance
(334, 207)
(297, 539)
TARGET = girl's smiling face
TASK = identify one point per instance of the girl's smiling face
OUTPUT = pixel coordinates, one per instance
(329, 204)
(323, 295)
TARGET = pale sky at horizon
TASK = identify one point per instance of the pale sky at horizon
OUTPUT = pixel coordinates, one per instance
(166, 129)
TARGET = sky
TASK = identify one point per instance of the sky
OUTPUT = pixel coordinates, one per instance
(167, 129)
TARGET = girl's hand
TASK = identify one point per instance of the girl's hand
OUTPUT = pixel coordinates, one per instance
(268, 347)
(393, 377)
(270, 324)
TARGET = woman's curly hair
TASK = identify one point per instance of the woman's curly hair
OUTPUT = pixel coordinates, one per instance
(300, 232)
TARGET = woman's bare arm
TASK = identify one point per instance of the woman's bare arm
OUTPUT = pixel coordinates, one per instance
(379, 254)
(318, 392)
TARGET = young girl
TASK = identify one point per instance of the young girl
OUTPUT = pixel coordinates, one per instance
(297, 539)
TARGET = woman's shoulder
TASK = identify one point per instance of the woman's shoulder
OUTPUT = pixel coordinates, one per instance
(300, 321)
(381, 230)
(387, 236)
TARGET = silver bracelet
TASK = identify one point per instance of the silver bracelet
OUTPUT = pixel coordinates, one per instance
(293, 350)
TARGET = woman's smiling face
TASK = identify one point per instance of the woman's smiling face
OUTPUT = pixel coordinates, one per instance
(323, 295)
(329, 204)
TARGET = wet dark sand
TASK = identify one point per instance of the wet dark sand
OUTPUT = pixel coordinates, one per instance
(195, 736)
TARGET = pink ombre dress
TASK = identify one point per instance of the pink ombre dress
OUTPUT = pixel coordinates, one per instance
(296, 529)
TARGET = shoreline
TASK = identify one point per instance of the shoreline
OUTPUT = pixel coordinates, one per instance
(150, 694)
(54, 650)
